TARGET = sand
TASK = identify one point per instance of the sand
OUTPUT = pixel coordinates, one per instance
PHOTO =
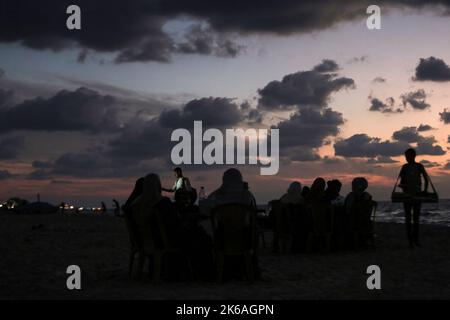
(36, 250)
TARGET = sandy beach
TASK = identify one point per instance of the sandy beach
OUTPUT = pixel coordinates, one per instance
(36, 250)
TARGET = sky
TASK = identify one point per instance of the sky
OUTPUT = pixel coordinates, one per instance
(84, 113)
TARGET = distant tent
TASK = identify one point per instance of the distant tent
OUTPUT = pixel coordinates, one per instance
(37, 208)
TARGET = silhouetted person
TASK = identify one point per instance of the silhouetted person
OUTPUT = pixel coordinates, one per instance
(332, 193)
(104, 209)
(116, 208)
(358, 193)
(305, 191)
(232, 190)
(182, 188)
(293, 194)
(137, 191)
(411, 176)
(317, 192)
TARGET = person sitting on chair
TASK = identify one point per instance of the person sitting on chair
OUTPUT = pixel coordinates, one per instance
(232, 190)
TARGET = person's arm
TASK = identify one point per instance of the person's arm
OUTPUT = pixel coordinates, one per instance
(170, 190)
(426, 178)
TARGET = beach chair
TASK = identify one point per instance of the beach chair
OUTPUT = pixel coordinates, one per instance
(362, 223)
(322, 216)
(152, 240)
(234, 229)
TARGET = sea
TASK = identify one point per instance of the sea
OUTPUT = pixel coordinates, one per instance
(432, 213)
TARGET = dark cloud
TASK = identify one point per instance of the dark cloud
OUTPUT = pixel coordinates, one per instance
(305, 88)
(430, 164)
(214, 112)
(134, 30)
(415, 99)
(5, 174)
(432, 69)
(425, 145)
(309, 127)
(327, 65)
(10, 147)
(445, 116)
(361, 145)
(83, 109)
(376, 105)
(424, 127)
(408, 134)
(306, 131)
(300, 153)
(428, 148)
(379, 80)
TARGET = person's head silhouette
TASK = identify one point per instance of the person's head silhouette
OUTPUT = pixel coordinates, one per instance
(410, 155)
(178, 172)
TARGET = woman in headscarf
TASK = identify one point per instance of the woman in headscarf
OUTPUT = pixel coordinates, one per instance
(232, 190)
(151, 198)
(293, 195)
(137, 191)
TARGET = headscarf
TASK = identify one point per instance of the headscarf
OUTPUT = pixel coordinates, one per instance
(137, 191)
(232, 180)
(231, 191)
(151, 191)
(294, 193)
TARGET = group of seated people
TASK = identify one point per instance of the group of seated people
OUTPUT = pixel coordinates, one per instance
(183, 219)
(343, 213)
(186, 224)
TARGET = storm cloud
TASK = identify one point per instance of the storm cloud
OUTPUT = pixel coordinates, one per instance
(134, 30)
(82, 109)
